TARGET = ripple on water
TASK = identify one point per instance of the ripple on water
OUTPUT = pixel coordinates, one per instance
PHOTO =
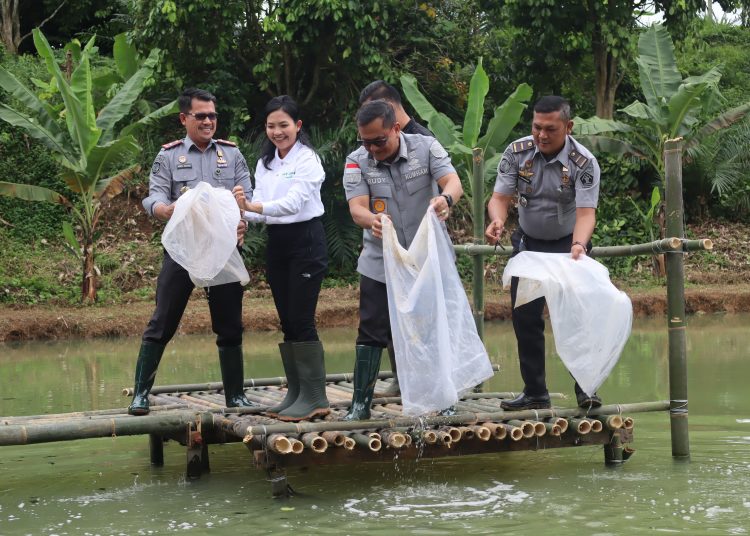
(445, 501)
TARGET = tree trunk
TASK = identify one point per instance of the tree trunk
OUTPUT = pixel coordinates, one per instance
(10, 28)
(606, 79)
(88, 283)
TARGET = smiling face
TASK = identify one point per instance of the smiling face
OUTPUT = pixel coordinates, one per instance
(282, 130)
(549, 132)
(200, 130)
(381, 142)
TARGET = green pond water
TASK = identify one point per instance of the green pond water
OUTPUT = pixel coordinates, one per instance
(106, 486)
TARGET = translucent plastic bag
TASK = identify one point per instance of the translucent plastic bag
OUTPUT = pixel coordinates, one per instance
(438, 351)
(201, 236)
(591, 319)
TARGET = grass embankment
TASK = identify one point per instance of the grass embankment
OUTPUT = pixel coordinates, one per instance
(40, 282)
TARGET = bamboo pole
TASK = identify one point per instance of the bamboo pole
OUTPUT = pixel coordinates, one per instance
(676, 323)
(334, 438)
(371, 443)
(477, 197)
(628, 423)
(539, 428)
(663, 245)
(498, 431)
(482, 433)
(314, 442)
(582, 426)
(458, 419)
(393, 439)
(612, 422)
(279, 444)
(515, 433)
(596, 425)
(250, 382)
(553, 429)
(527, 428)
(559, 421)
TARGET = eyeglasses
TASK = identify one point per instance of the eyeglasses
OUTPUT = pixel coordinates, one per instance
(200, 116)
(377, 142)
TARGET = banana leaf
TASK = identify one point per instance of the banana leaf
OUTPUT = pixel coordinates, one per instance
(478, 89)
(657, 67)
(506, 117)
(29, 192)
(440, 124)
(126, 56)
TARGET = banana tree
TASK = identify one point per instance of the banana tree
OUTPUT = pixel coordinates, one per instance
(674, 107)
(460, 142)
(95, 154)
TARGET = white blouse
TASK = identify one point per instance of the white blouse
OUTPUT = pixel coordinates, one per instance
(290, 190)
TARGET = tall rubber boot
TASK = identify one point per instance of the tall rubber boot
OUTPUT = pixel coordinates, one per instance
(292, 379)
(392, 389)
(309, 358)
(366, 369)
(233, 377)
(149, 357)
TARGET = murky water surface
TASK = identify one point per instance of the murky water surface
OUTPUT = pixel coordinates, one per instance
(106, 486)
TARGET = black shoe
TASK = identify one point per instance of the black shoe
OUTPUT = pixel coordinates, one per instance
(588, 402)
(524, 401)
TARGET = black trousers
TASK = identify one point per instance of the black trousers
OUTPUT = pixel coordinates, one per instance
(296, 263)
(173, 289)
(374, 322)
(528, 322)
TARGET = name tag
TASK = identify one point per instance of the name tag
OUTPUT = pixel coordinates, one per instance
(414, 174)
(186, 165)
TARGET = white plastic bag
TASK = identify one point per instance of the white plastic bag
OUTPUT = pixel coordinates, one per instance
(591, 319)
(201, 236)
(439, 354)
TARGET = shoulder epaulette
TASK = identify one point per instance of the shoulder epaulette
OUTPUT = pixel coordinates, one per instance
(226, 142)
(578, 159)
(171, 144)
(521, 146)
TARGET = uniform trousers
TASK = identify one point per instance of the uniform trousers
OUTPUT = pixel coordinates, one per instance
(296, 263)
(528, 322)
(374, 321)
(173, 289)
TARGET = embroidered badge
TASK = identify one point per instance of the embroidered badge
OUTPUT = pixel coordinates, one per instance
(378, 206)
(352, 174)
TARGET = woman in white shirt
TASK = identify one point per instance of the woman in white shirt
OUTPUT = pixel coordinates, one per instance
(288, 177)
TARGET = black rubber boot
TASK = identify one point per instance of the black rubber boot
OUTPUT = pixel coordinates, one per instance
(309, 358)
(149, 357)
(393, 388)
(366, 369)
(233, 377)
(585, 400)
(292, 379)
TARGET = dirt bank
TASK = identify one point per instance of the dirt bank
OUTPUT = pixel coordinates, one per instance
(338, 308)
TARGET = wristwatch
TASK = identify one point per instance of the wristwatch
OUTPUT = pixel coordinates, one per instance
(585, 249)
(448, 199)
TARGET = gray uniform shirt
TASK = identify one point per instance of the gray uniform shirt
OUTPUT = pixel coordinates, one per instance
(548, 191)
(402, 189)
(181, 164)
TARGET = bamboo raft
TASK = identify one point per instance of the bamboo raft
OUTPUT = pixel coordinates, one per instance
(194, 415)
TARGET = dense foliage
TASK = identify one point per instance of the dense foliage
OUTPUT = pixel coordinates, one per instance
(323, 52)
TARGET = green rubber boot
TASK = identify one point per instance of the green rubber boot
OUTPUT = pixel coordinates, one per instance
(232, 376)
(392, 388)
(366, 369)
(149, 357)
(292, 379)
(311, 402)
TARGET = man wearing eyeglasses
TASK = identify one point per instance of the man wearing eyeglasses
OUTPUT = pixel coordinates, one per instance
(179, 166)
(396, 176)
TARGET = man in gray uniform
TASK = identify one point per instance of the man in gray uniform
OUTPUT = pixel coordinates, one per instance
(397, 176)
(379, 89)
(556, 181)
(181, 165)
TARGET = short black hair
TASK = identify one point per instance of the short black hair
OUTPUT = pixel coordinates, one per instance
(289, 106)
(185, 100)
(553, 103)
(379, 89)
(372, 110)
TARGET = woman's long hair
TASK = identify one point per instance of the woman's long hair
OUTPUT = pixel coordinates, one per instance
(289, 106)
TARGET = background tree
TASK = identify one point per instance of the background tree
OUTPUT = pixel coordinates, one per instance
(95, 155)
(555, 37)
